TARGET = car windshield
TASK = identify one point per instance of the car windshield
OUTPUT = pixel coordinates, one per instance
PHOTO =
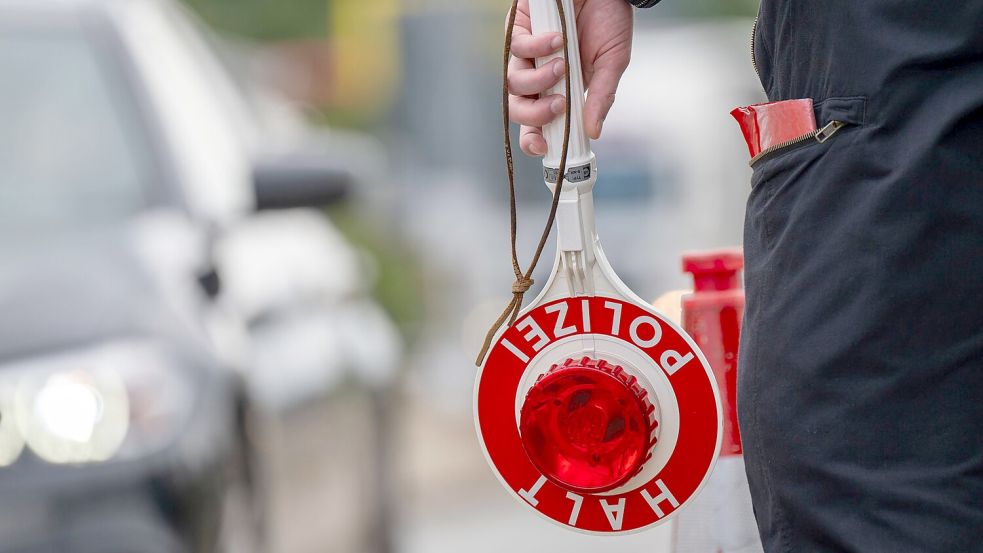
(72, 151)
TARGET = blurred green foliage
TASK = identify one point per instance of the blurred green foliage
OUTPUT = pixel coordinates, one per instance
(399, 280)
(712, 8)
(289, 19)
(266, 19)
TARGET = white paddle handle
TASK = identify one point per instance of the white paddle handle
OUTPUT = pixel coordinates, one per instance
(581, 170)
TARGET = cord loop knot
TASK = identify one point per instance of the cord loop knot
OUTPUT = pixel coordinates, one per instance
(522, 285)
(523, 280)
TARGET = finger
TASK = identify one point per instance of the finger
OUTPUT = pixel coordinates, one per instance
(526, 80)
(523, 23)
(524, 44)
(527, 45)
(531, 141)
(600, 97)
(535, 112)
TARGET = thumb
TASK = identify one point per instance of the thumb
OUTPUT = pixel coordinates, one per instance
(600, 96)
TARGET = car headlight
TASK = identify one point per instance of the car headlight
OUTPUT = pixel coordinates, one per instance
(11, 442)
(114, 401)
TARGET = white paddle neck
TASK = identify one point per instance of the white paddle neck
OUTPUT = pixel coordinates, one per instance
(581, 268)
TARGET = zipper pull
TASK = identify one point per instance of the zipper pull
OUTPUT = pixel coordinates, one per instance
(825, 133)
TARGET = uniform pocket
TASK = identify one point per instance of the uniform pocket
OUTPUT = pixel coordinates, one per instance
(834, 116)
(783, 176)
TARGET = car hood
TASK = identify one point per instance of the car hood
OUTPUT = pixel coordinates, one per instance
(58, 293)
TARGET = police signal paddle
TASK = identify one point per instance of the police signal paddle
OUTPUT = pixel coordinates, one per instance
(593, 409)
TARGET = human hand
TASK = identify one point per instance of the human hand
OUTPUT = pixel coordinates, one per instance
(605, 31)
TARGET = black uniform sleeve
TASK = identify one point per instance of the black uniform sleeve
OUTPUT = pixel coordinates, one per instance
(643, 3)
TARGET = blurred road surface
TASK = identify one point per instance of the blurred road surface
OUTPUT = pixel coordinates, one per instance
(453, 508)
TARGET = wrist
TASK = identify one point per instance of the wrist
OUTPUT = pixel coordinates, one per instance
(643, 3)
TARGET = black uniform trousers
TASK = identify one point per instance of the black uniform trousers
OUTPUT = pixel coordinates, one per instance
(861, 384)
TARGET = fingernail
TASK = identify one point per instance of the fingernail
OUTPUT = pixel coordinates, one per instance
(600, 127)
(558, 106)
(537, 149)
(559, 68)
(557, 42)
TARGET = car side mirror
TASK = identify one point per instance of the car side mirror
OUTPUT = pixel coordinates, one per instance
(286, 182)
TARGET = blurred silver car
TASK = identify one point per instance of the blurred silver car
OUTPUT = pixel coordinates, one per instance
(154, 319)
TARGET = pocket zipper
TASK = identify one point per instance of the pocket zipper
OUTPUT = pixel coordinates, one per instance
(754, 57)
(820, 136)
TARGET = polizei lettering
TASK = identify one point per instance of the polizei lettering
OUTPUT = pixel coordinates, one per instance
(573, 317)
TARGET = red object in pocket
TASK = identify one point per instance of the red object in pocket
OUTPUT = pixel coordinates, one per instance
(771, 124)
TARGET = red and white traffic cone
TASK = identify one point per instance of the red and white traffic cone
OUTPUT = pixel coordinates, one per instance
(721, 520)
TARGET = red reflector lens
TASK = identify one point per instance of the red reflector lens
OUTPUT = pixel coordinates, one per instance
(587, 426)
